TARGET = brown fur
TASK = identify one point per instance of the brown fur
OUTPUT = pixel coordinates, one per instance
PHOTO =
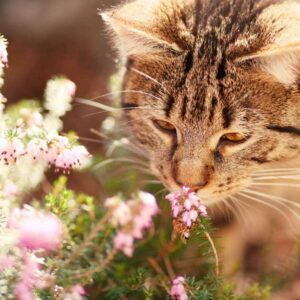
(211, 68)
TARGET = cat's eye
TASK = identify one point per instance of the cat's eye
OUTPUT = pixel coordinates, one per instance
(164, 126)
(234, 137)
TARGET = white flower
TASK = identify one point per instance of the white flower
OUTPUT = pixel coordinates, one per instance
(52, 122)
(58, 95)
(3, 50)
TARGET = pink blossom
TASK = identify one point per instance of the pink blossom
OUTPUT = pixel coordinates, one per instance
(178, 291)
(23, 291)
(186, 207)
(28, 279)
(189, 217)
(37, 148)
(11, 149)
(36, 230)
(70, 158)
(124, 242)
(132, 218)
(78, 289)
(76, 293)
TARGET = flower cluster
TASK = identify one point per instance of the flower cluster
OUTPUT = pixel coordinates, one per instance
(131, 218)
(28, 278)
(178, 291)
(36, 230)
(55, 149)
(186, 207)
(58, 95)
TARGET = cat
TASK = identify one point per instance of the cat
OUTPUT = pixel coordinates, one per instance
(212, 88)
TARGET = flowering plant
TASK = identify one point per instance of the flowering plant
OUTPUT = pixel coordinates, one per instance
(71, 246)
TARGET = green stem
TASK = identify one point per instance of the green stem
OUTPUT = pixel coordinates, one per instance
(213, 247)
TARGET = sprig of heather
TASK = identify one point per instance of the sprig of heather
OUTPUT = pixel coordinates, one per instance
(131, 218)
(178, 290)
(186, 208)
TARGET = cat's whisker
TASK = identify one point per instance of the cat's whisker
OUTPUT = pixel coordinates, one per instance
(221, 208)
(115, 109)
(227, 210)
(276, 174)
(148, 77)
(105, 108)
(285, 206)
(237, 212)
(244, 207)
(100, 134)
(293, 185)
(277, 171)
(96, 141)
(126, 169)
(126, 144)
(265, 203)
(296, 177)
(260, 193)
(156, 182)
(113, 93)
(129, 146)
(115, 160)
(160, 192)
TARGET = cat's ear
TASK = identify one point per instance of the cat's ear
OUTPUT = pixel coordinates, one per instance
(281, 58)
(147, 26)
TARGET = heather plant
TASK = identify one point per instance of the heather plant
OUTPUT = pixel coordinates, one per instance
(72, 246)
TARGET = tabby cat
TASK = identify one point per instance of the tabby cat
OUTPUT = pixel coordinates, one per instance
(212, 87)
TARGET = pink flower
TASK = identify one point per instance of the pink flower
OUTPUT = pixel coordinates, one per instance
(36, 230)
(3, 51)
(11, 149)
(28, 279)
(178, 291)
(23, 291)
(186, 207)
(37, 148)
(70, 158)
(78, 289)
(76, 293)
(124, 242)
(132, 218)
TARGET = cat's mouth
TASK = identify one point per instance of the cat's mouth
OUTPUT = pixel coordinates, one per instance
(216, 193)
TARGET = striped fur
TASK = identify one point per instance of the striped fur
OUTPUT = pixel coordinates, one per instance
(211, 68)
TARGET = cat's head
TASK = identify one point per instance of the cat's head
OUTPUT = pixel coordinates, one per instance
(211, 88)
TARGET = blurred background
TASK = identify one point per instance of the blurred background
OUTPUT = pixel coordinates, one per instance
(56, 37)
